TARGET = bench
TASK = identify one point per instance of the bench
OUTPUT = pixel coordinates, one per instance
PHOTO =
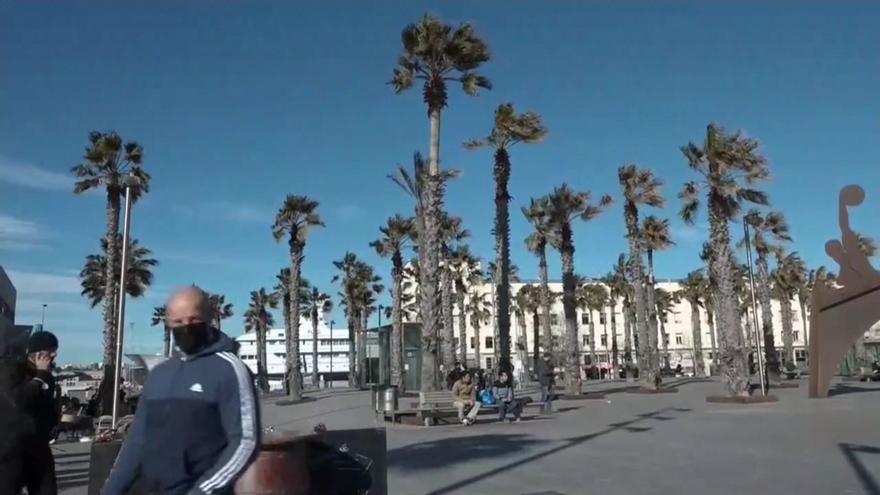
(439, 406)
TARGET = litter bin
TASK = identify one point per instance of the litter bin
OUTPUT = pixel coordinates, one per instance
(377, 394)
(389, 398)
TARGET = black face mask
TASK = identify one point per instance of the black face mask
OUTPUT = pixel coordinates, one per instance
(191, 338)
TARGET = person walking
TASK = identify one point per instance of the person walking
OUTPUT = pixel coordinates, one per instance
(454, 375)
(17, 429)
(197, 426)
(464, 396)
(504, 397)
(39, 402)
(547, 379)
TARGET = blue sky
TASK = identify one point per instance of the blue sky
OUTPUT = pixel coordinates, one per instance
(239, 103)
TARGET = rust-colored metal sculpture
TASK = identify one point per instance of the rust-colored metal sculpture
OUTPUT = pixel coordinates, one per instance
(840, 315)
(280, 468)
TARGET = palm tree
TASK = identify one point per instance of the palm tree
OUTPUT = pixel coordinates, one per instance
(139, 272)
(282, 288)
(296, 217)
(665, 304)
(396, 234)
(452, 233)
(787, 279)
(655, 237)
(768, 233)
(219, 308)
(692, 290)
(315, 304)
(641, 187)
(466, 274)
(368, 290)
(259, 319)
(106, 161)
(436, 53)
(478, 309)
(510, 128)
(727, 164)
(528, 299)
(349, 266)
(537, 214)
(427, 190)
(159, 318)
(709, 301)
(563, 206)
(617, 289)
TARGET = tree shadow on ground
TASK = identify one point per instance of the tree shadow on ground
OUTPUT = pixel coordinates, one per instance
(631, 387)
(843, 389)
(420, 454)
(447, 452)
(850, 451)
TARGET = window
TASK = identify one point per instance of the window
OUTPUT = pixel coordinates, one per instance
(488, 363)
(473, 342)
(678, 339)
(586, 339)
(585, 318)
(602, 318)
(795, 335)
(800, 355)
(604, 340)
(710, 355)
(490, 341)
(554, 319)
(666, 339)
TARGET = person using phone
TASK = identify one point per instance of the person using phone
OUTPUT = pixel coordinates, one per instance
(39, 401)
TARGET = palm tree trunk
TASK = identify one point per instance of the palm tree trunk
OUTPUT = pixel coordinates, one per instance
(434, 148)
(569, 306)
(502, 256)
(771, 358)
(627, 337)
(448, 340)
(523, 345)
(476, 325)
(429, 268)
(647, 375)
(315, 379)
(653, 330)
(462, 326)
(732, 354)
(353, 372)
(614, 351)
(110, 290)
(536, 345)
(697, 337)
(293, 374)
(262, 379)
(545, 300)
(397, 377)
(787, 330)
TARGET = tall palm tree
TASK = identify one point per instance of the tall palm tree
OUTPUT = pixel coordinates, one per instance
(139, 274)
(478, 310)
(491, 278)
(537, 214)
(297, 216)
(510, 128)
(466, 274)
(452, 233)
(616, 291)
(259, 320)
(159, 318)
(528, 299)
(436, 53)
(787, 279)
(282, 289)
(693, 288)
(315, 304)
(728, 165)
(641, 188)
(396, 234)
(106, 161)
(368, 290)
(427, 190)
(665, 302)
(563, 206)
(349, 267)
(220, 309)
(768, 231)
(655, 237)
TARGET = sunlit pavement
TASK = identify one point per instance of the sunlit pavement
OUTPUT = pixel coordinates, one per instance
(623, 444)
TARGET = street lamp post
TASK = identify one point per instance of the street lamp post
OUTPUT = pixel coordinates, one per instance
(129, 182)
(380, 366)
(759, 356)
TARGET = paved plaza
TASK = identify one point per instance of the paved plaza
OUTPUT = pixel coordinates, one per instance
(623, 444)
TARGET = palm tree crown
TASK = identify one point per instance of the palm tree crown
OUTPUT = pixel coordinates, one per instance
(139, 275)
(106, 161)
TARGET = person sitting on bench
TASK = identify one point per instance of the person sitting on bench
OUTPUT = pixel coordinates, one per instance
(507, 403)
(464, 395)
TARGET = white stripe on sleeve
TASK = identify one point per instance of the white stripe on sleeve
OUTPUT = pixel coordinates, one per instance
(248, 428)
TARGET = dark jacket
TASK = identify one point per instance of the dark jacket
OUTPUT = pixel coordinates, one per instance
(545, 373)
(196, 429)
(453, 377)
(503, 391)
(17, 428)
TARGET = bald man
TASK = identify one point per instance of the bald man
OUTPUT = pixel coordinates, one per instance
(197, 422)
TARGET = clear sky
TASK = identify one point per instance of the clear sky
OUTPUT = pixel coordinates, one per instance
(239, 103)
